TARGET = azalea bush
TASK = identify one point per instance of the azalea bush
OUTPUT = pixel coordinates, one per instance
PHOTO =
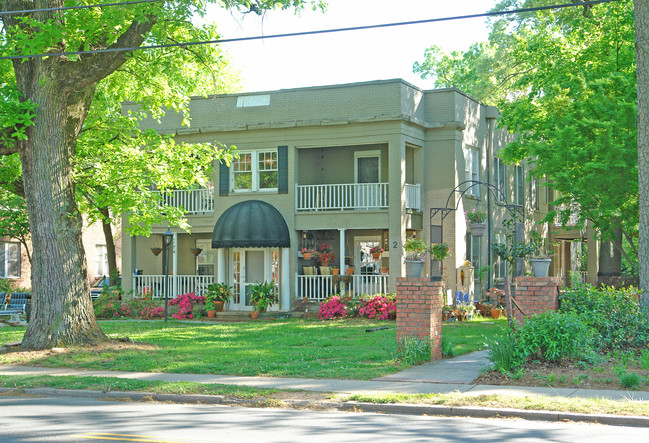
(378, 307)
(331, 308)
(186, 304)
(110, 305)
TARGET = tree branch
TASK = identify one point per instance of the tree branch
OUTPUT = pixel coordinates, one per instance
(8, 144)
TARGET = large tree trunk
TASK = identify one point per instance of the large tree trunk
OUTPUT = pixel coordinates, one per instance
(62, 312)
(642, 46)
(113, 272)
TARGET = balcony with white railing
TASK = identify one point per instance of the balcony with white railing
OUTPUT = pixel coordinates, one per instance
(573, 219)
(350, 196)
(174, 285)
(319, 287)
(195, 201)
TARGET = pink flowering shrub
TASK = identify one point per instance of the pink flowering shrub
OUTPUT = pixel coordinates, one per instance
(378, 307)
(111, 305)
(186, 303)
(332, 307)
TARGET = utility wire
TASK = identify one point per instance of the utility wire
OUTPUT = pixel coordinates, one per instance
(305, 33)
(65, 8)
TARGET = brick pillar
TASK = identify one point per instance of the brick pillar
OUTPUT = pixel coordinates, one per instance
(536, 295)
(419, 311)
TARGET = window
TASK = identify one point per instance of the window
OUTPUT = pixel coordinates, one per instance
(472, 169)
(101, 261)
(500, 266)
(255, 171)
(519, 186)
(499, 178)
(534, 193)
(9, 260)
(205, 260)
(473, 251)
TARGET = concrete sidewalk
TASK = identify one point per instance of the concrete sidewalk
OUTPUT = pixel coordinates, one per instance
(443, 376)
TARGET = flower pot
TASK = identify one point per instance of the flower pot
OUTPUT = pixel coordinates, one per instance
(307, 255)
(376, 256)
(218, 306)
(540, 266)
(324, 262)
(385, 270)
(254, 314)
(211, 314)
(477, 229)
(156, 251)
(496, 313)
(335, 271)
(436, 267)
(196, 251)
(349, 271)
(414, 268)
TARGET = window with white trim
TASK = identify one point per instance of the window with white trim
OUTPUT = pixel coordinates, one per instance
(472, 169)
(9, 260)
(254, 171)
(519, 185)
(500, 178)
(500, 265)
(101, 261)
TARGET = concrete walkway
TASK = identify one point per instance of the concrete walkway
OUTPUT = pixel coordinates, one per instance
(443, 376)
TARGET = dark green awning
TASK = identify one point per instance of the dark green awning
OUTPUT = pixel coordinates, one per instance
(251, 224)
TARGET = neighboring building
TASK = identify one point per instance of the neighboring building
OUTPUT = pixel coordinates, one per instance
(351, 166)
(15, 266)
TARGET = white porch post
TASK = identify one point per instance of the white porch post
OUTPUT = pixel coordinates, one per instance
(284, 280)
(220, 265)
(174, 258)
(341, 251)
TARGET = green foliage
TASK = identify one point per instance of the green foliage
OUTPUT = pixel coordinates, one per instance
(218, 292)
(447, 347)
(415, 249)
(555, 336)
(630, 380)
(110, 305)
(504, 352)
(613, 313)
(413, 350)
(263, 295)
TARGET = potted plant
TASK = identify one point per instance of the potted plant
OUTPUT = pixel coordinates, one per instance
(447, 313)
(540, 257)
(307, 253)
(438, 252)
(262, 296)
(496, 302)
(324, 255)
(415, 251)
(376, 252)
(218, 294)
(476, 220)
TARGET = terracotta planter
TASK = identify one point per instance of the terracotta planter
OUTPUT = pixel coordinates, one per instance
(254, 314)
(211, 314)
(496, 313)
(218, 305)
(376, 256)
(196, 251)
(335, 271)
(477, 229)
(349, 271)
(156, 251)
(307, 256)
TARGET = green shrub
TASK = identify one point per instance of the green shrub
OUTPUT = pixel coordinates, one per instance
(504, 351)
(614, 314)
(556, 336)
(413, 350)
(630, 380)
(447, 347)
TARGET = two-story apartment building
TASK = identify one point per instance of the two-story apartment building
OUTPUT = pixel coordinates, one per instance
(349, 166)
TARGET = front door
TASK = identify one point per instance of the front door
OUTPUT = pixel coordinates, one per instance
(367, 167)
(250, 266)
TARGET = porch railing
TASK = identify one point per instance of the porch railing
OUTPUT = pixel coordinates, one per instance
(319, 287)
(196, 201)
(573, 219)
(158, 285)
(413, 197)
(341, 197)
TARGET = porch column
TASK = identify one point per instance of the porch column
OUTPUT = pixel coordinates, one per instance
(341, 251)
(174, 263)
(220, 265)
(284, 280)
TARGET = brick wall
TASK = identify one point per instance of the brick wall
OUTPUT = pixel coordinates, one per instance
(419, 311)
(536, 295)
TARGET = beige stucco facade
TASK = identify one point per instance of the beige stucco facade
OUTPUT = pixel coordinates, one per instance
(421, 139)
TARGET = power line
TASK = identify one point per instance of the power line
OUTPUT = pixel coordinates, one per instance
(65, 8)
(305, 33)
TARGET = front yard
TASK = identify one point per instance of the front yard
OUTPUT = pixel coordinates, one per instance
(339, 349)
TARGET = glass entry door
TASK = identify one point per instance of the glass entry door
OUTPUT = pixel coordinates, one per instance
(367, 167)
(249, 267)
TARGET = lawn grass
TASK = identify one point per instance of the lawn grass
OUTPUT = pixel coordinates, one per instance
(339, 349)
(469, 336)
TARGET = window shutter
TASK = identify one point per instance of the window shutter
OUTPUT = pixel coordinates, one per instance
(282, 169)
(224, 179)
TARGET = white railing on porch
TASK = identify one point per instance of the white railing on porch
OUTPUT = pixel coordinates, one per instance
(341, 196)
(196, 201)
(157, 285)
(319, 287)
(413, 197)
(574, 214)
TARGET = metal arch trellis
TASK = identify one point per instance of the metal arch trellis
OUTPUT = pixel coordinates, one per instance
(499, 199)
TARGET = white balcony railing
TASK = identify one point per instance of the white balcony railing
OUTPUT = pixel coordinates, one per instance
(319, 287)
(574, 215)
(196, 201)
(413, 197)
(174, 285)
(340, 197)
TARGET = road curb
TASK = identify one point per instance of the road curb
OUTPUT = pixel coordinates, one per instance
(350, 406)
